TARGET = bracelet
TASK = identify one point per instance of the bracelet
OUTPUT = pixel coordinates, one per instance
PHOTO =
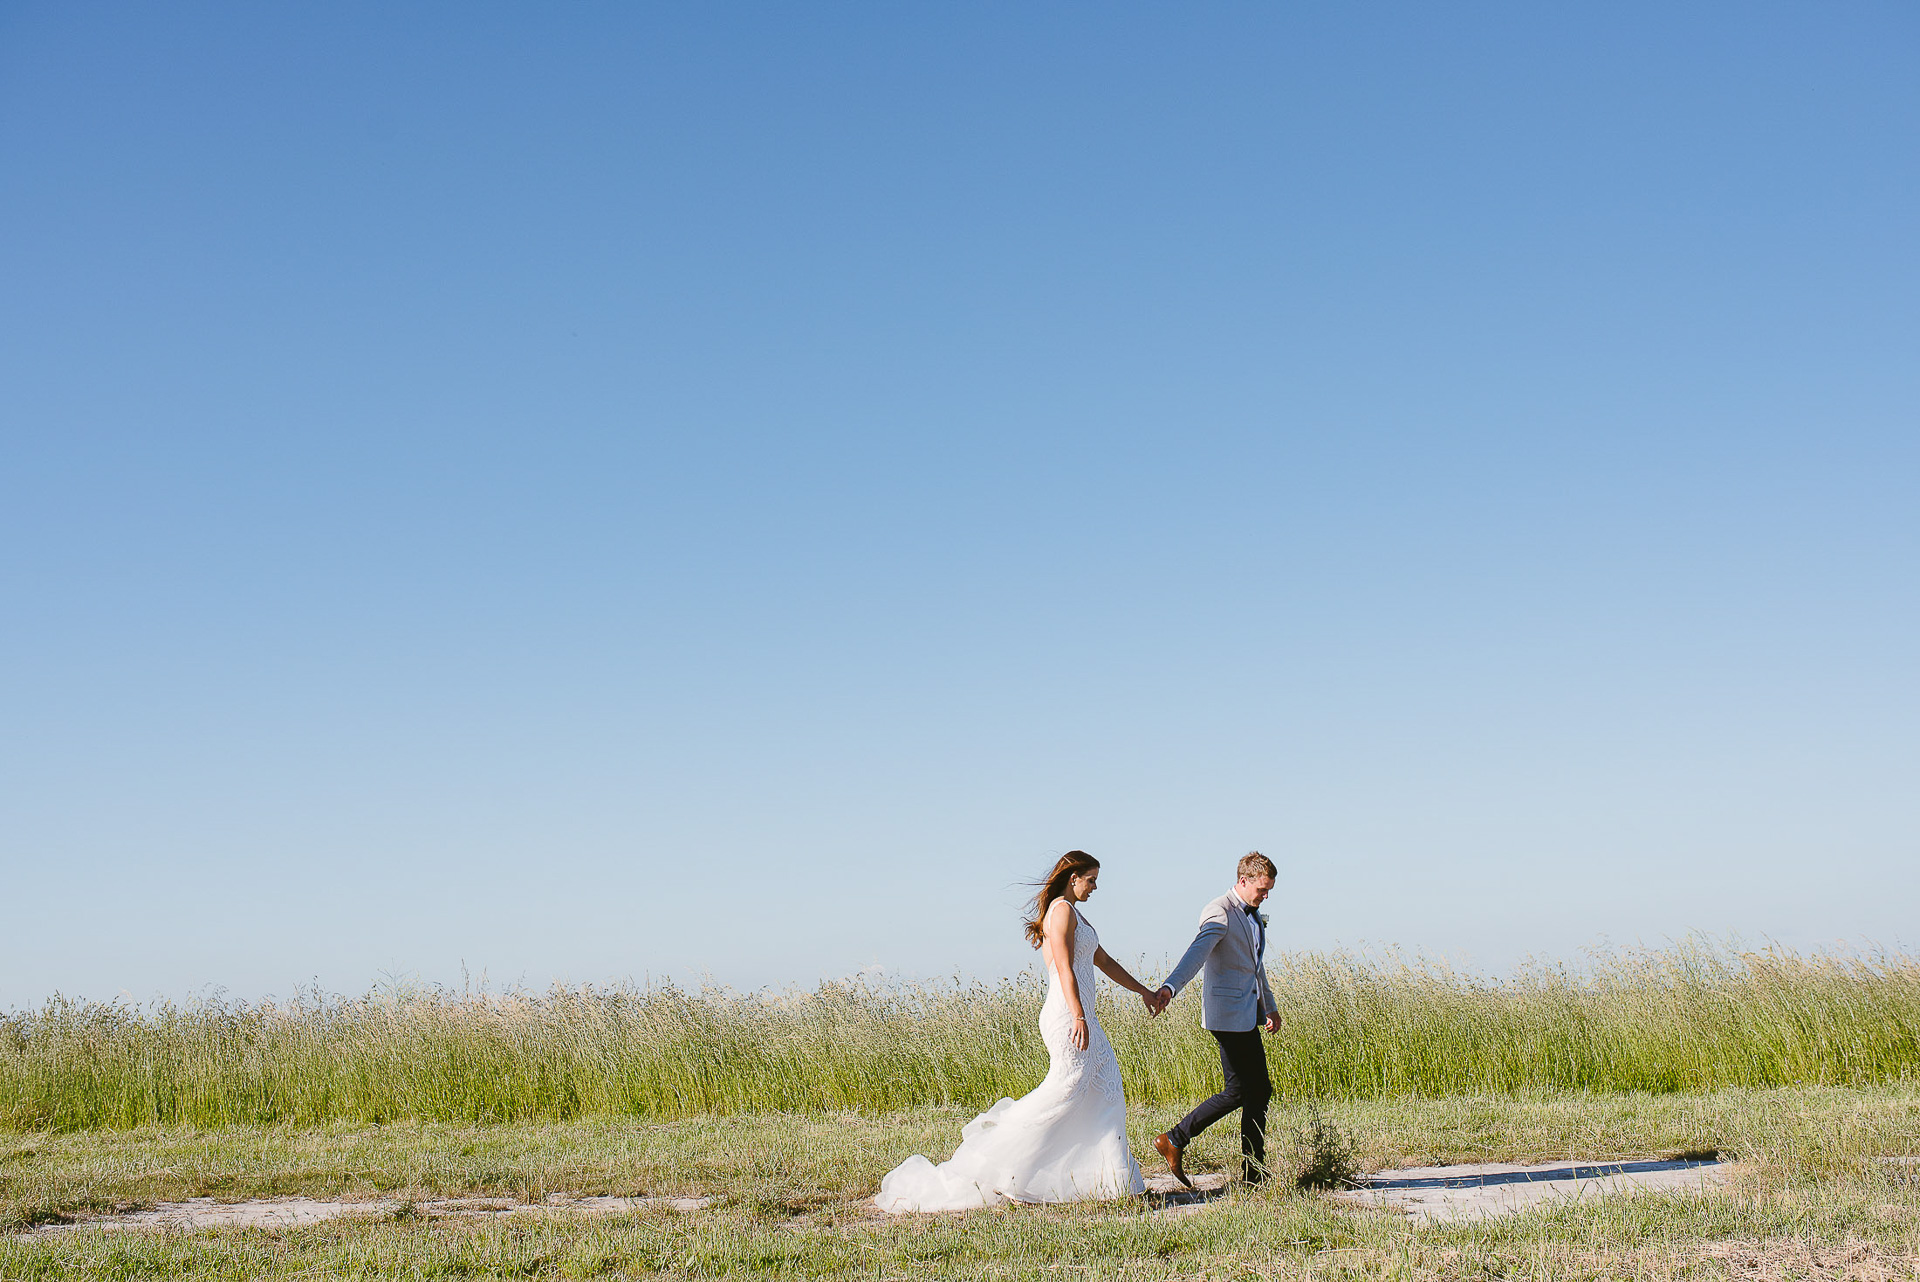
(1079, 1019)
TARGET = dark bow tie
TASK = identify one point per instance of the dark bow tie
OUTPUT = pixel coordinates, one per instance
(1252, 909)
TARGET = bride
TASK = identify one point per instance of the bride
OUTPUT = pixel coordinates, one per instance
(1066, 1140)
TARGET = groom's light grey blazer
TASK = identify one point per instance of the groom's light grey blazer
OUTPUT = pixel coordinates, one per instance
(1231, 950)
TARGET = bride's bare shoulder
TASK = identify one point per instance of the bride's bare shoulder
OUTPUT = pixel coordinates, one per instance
(1060, 916)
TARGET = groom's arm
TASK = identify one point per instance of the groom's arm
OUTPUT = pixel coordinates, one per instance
(1195, 956)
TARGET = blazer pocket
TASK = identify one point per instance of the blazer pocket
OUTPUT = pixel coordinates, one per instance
(1232, 992)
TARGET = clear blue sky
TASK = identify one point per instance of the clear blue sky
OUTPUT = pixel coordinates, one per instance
(594, 491)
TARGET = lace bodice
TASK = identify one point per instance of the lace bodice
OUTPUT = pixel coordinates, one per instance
(1086, 942)
(1097, 1061)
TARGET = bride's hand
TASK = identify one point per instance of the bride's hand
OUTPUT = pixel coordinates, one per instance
(1077, 1034)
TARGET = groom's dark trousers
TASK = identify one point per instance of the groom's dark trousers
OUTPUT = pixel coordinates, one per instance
(1248, 1088)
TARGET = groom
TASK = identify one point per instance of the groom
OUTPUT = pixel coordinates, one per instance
(1235, 1004)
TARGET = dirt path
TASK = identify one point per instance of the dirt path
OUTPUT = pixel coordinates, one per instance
(1434, 1194)
(1442, 1194)
(284, 1212)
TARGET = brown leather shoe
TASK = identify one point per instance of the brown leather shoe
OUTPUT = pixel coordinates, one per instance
(1166, 1148)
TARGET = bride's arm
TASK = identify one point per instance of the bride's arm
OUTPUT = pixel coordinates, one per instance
(1058, 946)
(1118, 973)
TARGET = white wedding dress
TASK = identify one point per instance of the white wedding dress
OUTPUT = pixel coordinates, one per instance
(1065, 1141)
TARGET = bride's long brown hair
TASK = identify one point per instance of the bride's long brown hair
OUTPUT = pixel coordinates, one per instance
(1075, 863)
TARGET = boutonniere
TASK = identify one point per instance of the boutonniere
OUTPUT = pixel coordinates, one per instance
(1262, 917)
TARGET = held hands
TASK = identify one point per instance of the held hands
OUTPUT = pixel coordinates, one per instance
(1157, 1001)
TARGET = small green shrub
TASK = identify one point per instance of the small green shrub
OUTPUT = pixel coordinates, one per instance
(1323, 1156)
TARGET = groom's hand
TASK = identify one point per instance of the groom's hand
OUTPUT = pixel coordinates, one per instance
(1272, 1024)
(1159, 1001)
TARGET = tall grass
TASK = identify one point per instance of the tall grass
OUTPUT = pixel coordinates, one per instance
(1691, 1017)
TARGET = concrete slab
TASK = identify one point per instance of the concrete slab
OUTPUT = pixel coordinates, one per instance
(1443, 1194)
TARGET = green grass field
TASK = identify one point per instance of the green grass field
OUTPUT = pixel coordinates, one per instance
(791, 1195)
(1683, 1019)
(787, 1110)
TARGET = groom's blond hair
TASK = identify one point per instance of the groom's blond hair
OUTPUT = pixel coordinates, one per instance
(1254, 865)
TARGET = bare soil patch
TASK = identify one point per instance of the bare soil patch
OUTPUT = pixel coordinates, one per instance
(1434, 1194)
(287, 1212)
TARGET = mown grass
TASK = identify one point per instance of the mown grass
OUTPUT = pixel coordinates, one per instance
(1831, 1234)
(791, 1198)
(1839, 1233)
(1687, 1018)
